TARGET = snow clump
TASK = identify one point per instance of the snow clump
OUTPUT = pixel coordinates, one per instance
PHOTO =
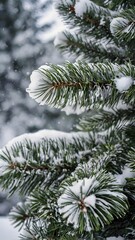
(126, 173)
(123, 83)
(76, 200)
(38, 80)
(118, 22)
(81, 7)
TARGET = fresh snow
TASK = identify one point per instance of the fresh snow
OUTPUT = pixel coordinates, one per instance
(90, 201)
(123, 83)
(88, 228)
(45, 134)
(116, 22)
(4, 164)
(81, 7)
(44, 67)
(41, 84)
(115, 238)
(69, 204)
(7, 231)
(79, 188)
(82, 187)
(19, 159)
(79, 198)
(36, 138)
(127, 173)
(37, 79)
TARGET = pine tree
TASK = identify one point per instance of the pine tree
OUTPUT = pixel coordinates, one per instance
(81, 185)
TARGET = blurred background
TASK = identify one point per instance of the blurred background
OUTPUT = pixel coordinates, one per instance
(27, 32)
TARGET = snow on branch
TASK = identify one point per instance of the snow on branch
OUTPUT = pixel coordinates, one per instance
(123, 26)
(117, 23)
(87, 200)
(44, 154)
(79, 84)
(17, 149)
(41, 135)
(126, 173)
(123, 83)
(35, 139)
(85, 6)
(87, 47)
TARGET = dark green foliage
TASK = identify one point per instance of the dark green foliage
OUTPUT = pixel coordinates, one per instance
(42, 164)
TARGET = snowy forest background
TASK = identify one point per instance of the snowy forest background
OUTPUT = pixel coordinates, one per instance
(28, 28)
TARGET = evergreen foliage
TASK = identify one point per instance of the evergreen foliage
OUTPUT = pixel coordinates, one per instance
(81, 185)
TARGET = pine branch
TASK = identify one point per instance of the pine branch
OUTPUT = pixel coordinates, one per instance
(91, 20)
(90, 48)
(132, 158)
(35, 226)
(123, 27)
(123, 227)
(29, 222)
(90, 203)
(21, 215)
(80, 84)
(100, 120)
(120, 4)
(27, 165)
(81, 186)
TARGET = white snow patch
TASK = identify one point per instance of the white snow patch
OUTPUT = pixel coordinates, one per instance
(115, 238)
(81, 187)
(127, 173)
(7, 231)
(88, 228)
(116, 22)
(121, 105)
(81, 7)
(70, 206)
(44, 67)
(45, 134)
(123, 83)
(38, 80)
(90, 201)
